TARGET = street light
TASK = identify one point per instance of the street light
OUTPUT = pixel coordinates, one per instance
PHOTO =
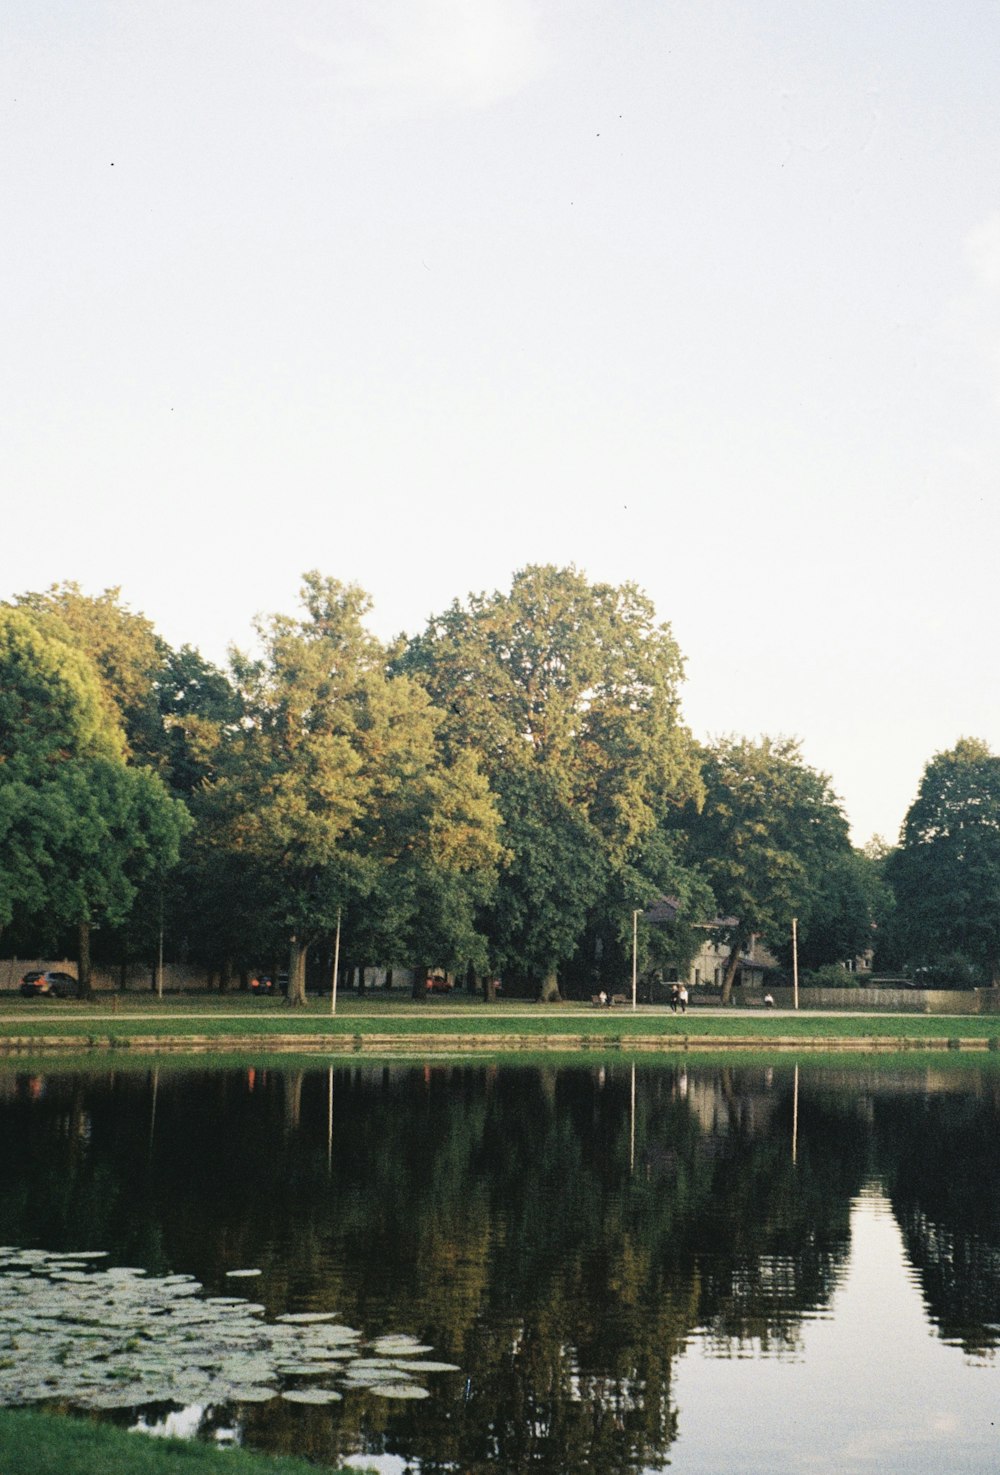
(635, 951)
(336, 968)
(663, 910)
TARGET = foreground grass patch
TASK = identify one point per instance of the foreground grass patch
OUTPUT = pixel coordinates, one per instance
(34, 1443)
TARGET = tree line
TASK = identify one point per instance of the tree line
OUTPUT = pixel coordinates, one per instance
(496, 796)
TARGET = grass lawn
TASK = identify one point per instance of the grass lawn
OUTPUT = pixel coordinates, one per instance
(34, 1443)
(372, 1023)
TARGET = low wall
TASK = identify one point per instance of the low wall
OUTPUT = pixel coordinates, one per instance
(138, 979)
(177, 977)
(891, 1000)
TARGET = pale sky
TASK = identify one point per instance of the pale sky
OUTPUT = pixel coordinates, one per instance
(417, 292)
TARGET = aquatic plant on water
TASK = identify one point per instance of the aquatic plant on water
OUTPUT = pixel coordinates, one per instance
(92, 1336)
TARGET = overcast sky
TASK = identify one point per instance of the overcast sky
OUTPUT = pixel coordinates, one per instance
(418, 292)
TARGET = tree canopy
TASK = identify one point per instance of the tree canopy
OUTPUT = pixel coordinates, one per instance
(337, 789)
(79, 827)
(497, 795)
(570, 692)
(769, 832)
(946, 873)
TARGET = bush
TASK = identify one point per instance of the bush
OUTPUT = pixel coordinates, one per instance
(953, 971)
(831, 975)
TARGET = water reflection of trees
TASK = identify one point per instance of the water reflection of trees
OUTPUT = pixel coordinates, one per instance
(940, 1157)
(521, 1221)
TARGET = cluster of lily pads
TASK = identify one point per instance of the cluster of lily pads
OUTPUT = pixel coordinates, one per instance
(113, 1337)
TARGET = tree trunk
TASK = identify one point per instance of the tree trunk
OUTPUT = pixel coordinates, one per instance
(297, 971)
(83, 959)
(549, 993)
(732, 963)
(226, 976)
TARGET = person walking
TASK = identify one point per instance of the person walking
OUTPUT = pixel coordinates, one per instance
(682, 997)
(674, 998)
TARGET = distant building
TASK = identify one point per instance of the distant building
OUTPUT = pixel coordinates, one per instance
(707, 967)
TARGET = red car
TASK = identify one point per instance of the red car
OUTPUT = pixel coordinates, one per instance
(438, 982)
(59, 985)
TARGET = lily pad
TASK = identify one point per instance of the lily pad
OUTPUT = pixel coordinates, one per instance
(423, 1365)
(399, 1346)
(304, 1318)
(311, 1395)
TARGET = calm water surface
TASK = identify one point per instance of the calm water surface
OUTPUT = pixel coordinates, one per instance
(709, 1269)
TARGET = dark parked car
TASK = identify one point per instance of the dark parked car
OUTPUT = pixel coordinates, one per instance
(59, 985)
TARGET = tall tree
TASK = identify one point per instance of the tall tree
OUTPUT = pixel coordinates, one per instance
(946, 873)
(335, 785)
(79, 828)
(126, 652)
(570, 692)
(769, 830)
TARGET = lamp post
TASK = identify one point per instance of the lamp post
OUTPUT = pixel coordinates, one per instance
(795, 962)
(336, 967)
(635, 954)
(159, 952)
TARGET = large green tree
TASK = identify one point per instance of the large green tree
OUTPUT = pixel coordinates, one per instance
(769, 832)
(946, 872)
(570, 692)
(335, 785)
(126, 652)
(845, 904)
(79, 828)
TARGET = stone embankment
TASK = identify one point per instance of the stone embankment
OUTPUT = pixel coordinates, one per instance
(475, 1044)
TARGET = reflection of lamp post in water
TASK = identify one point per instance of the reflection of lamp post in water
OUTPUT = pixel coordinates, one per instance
(329, 1121)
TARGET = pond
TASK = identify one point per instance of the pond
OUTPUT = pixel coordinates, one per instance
(606, 1267)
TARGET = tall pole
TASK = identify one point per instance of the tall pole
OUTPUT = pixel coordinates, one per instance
(336, 967)
(635, 954)
(795, 962)
(159, 955)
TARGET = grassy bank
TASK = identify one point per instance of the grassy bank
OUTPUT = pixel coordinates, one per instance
(34, 1443)
(231, 1025)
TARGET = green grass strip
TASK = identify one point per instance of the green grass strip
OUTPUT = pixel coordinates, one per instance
(231, 1025)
